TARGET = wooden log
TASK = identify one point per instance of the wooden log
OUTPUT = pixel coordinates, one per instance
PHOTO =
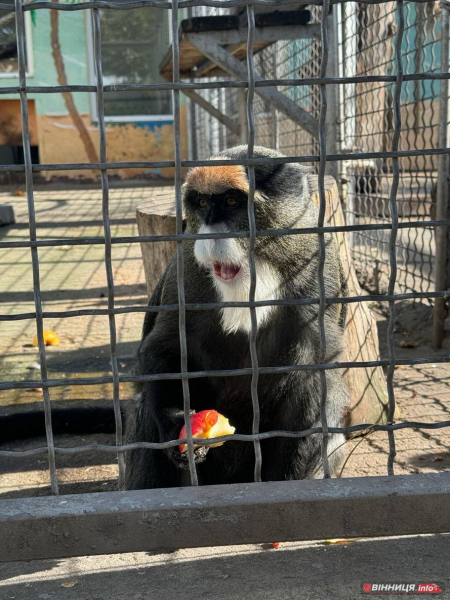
(367, 386)
(156, 216)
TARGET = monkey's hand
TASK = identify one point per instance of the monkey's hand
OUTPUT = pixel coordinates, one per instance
(207, 424)
(204, 425)
(181, 459)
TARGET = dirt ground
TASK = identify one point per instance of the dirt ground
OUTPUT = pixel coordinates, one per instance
(73, 277)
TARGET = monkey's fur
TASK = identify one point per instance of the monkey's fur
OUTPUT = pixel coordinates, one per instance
(287, 335)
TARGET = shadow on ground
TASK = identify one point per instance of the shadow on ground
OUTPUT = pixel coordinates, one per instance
(296, 571)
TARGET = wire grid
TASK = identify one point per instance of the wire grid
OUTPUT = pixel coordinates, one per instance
(211, 136)
(283, 60)
(368, 34)
(394, 154)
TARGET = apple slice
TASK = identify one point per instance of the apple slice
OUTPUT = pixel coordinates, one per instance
(205, 425)
(50, 339)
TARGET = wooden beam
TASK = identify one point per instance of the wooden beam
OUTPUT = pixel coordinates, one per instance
(191, 57)
(212, 110)
(210, 48)
(262, 34)
(204, 69)
(367, 387)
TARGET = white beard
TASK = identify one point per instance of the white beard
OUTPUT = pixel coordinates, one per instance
(267, 280)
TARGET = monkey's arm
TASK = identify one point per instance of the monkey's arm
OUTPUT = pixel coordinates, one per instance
(75, 420)
(159, 409)
(155, 300)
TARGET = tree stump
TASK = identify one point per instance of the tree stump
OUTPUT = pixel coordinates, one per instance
(367, 386)
(156, 216)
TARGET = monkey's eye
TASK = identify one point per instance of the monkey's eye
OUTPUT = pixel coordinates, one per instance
(231, 201)
(202, 202)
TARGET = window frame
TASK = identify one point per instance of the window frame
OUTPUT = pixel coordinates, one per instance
(92, 81)
(28, 48)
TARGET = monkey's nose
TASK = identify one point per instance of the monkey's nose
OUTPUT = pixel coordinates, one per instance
(226, 272)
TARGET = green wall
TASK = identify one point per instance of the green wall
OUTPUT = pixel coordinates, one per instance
(72, 35)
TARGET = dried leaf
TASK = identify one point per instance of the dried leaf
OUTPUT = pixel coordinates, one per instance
(69, 584)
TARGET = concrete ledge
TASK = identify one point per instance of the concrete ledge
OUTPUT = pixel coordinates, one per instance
(6, 215)
(163, 519)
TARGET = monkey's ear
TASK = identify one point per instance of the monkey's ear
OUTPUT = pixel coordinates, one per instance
(264, 174)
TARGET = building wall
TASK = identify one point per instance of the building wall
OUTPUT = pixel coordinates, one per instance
(51, 126)
(60, 143)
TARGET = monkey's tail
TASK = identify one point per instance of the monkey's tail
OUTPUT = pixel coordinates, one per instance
(72, 420)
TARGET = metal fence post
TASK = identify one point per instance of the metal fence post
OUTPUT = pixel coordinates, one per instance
(243, 126)
(332, 94)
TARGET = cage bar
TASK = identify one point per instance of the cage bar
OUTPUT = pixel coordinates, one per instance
(108, 247)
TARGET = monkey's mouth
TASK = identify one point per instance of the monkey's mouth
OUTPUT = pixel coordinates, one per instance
(226, 272)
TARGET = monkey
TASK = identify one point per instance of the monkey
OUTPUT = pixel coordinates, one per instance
(215, 199)
(30, 423)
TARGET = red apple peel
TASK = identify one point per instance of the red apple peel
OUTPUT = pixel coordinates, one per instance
(207, 424)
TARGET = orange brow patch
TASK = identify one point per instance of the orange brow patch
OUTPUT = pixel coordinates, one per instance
(216, 180)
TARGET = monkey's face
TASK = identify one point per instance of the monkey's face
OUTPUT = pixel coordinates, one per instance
(220, 213)
(216, 202)
(223, 209)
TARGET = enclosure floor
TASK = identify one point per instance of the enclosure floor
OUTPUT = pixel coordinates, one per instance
(74, 277)
(300, 570)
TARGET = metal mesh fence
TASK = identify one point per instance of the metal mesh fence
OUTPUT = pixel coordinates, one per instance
(283, 60)
(400, 170)
(368, 37)
(365, 46)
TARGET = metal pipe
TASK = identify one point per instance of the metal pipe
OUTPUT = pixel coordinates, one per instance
(442, 199)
